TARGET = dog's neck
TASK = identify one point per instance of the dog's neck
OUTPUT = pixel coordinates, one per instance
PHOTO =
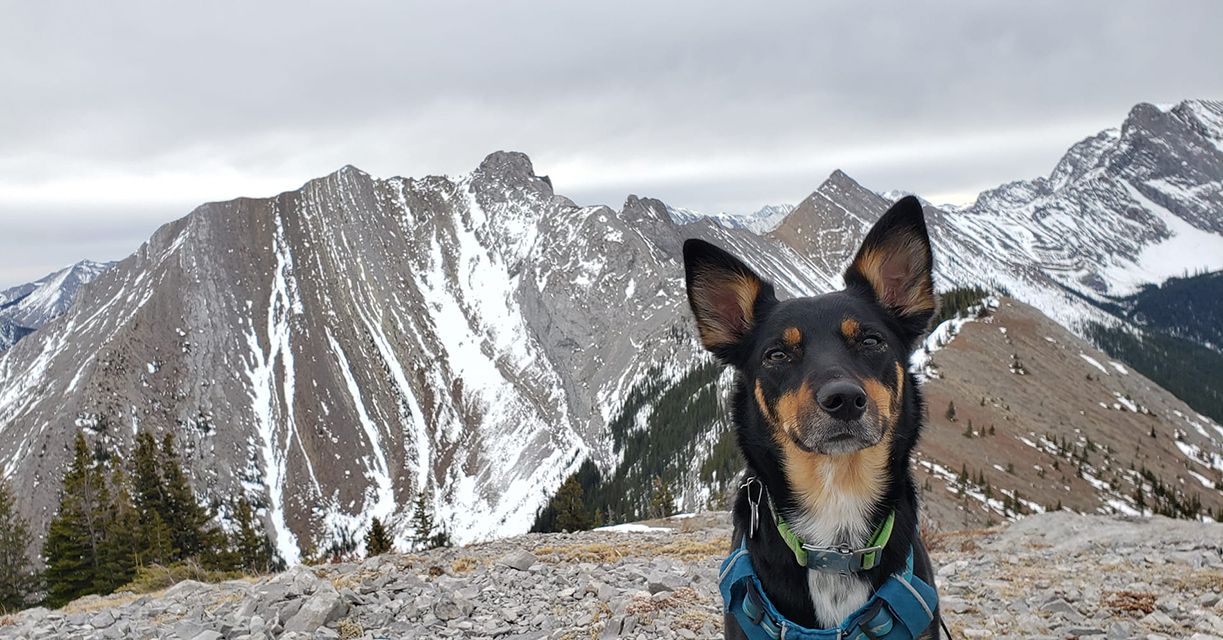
(845, 519)
(832, 509)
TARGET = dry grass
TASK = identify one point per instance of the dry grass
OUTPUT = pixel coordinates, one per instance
(464, 564)
(224, 599)
(87, 604)
(679, 597)
(695, 619)
(350, 629)
(599, 553)
(153, 578)
(964, 541)
(1130, 601)
(1198, 581)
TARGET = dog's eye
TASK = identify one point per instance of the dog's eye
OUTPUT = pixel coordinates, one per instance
(775, 355)
(872, 341)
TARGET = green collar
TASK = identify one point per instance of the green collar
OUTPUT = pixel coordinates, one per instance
(840, 559)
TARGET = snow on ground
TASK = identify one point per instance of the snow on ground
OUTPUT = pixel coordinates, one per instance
(1095, 363)
(921, 363)
(1188, 250)
(633, 527)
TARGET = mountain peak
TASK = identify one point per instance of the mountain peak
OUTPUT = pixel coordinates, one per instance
(513, 168)
(645, 209)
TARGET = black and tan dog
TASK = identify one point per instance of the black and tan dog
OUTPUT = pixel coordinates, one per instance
(827, 416)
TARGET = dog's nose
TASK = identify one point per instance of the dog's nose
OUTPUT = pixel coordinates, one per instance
(842, 399)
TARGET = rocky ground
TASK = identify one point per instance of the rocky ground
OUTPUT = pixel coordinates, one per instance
(1054, 575)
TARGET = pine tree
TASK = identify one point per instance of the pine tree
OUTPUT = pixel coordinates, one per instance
(252, 546)
(662, 501)
(18, 579)
(119, 553)
(950, 414)
(188, 521)
(377, 541)
(71, 550)
(422, 519)
(149, 497)
(571, 513)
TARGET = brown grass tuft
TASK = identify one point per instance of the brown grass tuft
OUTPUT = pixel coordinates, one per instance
(463, 565)
(681, 596)
(350, 629)
(603, 553)
(1130, 601)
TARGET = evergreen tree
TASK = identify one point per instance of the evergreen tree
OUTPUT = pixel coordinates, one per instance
(571, 513)
(76, 533)
(149, 497)
(422, 519)
(377, 541)
(662, 502)
(252, 546)
(17, 578)
(188, 521)
(120, 550)
(950, 414)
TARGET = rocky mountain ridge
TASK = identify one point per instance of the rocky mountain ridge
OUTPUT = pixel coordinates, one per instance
(26, 307)
(336, 350)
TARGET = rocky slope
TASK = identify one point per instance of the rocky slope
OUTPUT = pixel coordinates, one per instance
(26, 307)
(1050, 576)
(1043, 419)
(335, 350)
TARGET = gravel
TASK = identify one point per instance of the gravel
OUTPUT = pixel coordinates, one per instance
(1049, 576)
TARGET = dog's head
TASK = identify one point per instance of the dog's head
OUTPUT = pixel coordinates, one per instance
(827, 373)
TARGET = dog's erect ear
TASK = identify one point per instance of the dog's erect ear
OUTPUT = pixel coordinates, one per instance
(895, 264)
(727, 297)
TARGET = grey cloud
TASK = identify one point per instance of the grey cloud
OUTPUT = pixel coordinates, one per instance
(282, 92)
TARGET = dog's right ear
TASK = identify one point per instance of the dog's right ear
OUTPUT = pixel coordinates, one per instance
(727, 297)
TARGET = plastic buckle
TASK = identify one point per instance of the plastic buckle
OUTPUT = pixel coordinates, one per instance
(842, 559)
(868, 626)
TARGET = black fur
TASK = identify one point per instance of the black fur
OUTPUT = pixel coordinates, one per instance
(825, 356)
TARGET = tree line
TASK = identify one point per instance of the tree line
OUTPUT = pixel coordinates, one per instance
(117, 518)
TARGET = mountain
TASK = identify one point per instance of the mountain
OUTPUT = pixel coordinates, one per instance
(1043, 418)
(333, 351)
(26, 307)
(762, 220)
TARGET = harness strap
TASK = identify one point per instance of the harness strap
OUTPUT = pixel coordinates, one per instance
(900, 610)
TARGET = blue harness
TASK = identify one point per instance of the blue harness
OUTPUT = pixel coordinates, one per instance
(900, 610)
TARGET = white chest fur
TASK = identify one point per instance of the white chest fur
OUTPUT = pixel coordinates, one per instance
(842, 520)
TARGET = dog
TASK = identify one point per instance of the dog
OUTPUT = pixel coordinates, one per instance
(826, 415)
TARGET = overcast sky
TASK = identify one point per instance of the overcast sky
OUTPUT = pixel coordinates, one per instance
(116, 117)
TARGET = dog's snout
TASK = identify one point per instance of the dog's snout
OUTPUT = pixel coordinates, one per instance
(842, 399)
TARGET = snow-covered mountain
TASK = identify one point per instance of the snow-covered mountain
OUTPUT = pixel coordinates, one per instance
(26, 307)
(762, 220)
(334, 350)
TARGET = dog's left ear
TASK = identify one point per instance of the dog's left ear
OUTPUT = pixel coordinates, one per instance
(895, 265)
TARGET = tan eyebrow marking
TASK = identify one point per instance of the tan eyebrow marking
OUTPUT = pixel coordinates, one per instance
(850, 327)
(792, 336)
